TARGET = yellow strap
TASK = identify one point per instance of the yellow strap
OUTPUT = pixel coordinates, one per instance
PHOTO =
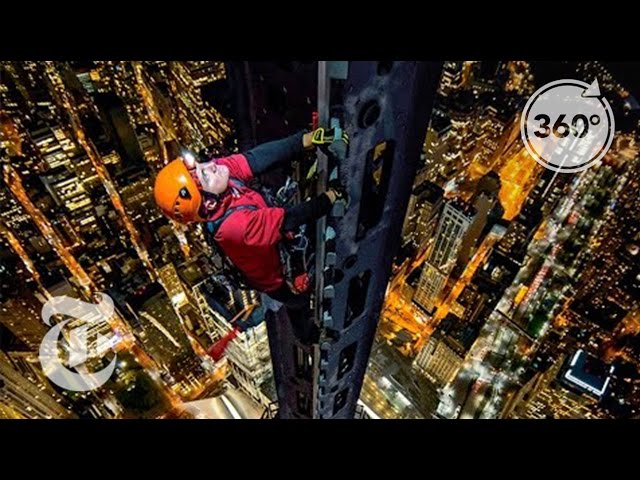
(318, 136)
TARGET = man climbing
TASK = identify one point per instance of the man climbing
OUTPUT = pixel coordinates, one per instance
(246, 229)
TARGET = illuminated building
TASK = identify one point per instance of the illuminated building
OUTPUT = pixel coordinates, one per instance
(422, 214)
(21, 316)
(608, 287)
(488, 212)
(199, 124)
(174, 288)
(487, 77)
(64, 181)
(428, 150)
(437, 167)
(549, 395)
(182, 297)
(115, 120)
(206, 72)
(472, 303)
(85, 80)
(593, 69)
(250, 362)
(431, 283)
(208, 313)
(24, 394)
(148, 144)
(520, 78)
(440, 359)
(120, 76)
(587, 374)
(27, 241)
(6, 100)
(452, 78)
(137, 195)
(24, 86)
(87, 331)
(248, 355)
(165, 338)
(455, 220)
(392, 389)
(488, 130)
(443, 355)
(463, 115)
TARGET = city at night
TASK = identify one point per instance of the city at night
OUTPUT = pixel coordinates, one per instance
(394, 240)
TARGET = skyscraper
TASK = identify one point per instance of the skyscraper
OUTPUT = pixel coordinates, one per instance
(452, 77)
(565, 390)
(422, 214)
(21, 315)
(454, 222)
(248, 355)
(23, 394)
(199, 125)
(164, 337)
(488, 212)
(250, 361)
(444, 353)
(440, 359)
(65, 179)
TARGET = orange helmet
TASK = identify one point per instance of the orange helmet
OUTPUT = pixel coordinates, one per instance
(177, 194)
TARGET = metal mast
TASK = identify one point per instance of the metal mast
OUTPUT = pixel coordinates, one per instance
(385, 108)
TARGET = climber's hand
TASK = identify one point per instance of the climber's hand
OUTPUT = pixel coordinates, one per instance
(323, 137)
(336, 193)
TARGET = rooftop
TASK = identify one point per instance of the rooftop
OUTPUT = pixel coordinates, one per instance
(587, 373)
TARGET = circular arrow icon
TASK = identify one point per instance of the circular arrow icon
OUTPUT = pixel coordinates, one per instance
(567, 125)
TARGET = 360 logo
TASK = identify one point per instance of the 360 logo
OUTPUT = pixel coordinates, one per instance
(567, 125)
(80, 380)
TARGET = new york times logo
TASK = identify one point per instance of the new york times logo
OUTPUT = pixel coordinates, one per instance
(80, 343)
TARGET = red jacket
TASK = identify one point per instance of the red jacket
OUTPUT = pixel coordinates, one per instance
(250, 237)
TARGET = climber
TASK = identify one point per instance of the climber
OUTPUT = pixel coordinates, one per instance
(246, 229)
